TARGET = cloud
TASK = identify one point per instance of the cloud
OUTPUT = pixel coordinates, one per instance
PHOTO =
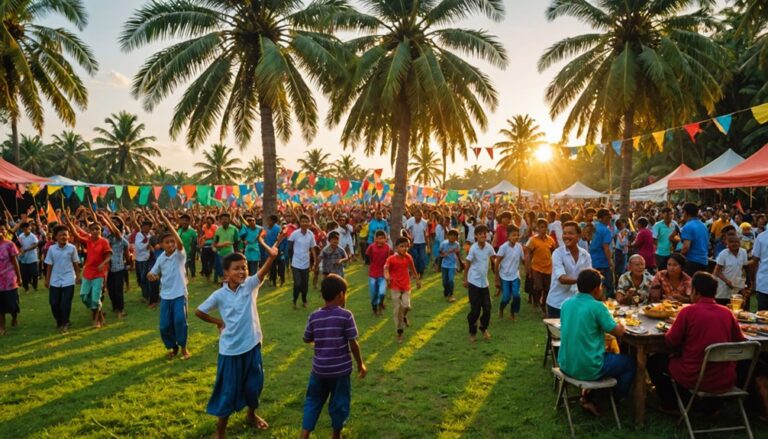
(118, 80)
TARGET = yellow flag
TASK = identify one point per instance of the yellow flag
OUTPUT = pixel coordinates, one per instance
(636, 143)
(34, 189)
(590, 149)
(302, 175)
(658, 136)
(52, 189)
(132, 191)
(761, 113)
(236, 191)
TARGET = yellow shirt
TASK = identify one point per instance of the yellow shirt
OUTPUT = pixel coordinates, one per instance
(541, 253)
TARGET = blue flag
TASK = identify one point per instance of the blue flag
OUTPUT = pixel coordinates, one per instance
(616, 145)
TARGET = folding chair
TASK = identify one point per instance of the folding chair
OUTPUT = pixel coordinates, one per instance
(720, 353)
(562, 394)
(552, 346)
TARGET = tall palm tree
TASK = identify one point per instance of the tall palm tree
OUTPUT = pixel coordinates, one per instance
(522, 137)
(315, 161)
(412, 84)
(245, 60)
(72, 152)
(180, 177)
(36, 62)
(35, 155)
(218, 167)
(126, 152)
(645, 61)
(754, 22)
(161, 175)
(347, 168)
(254, 170)
(473, 175)
(425, 166)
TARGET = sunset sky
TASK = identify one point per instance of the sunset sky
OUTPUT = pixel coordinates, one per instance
(525, 33)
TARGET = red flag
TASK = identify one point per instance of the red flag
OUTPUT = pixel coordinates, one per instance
(103, 191)
(312, 180)
(94, 192)
(219, 193)
(366, 184)
(377, 175)
(490, 152)
(477, 152)
(344, 186)
(157, 190)
(693, 129)
(738, 206)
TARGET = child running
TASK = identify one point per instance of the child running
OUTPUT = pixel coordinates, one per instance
(333, 331)
(376, 254)
(399, 280)
(449, 260)
(508, 260)
(333, 257)
(239, 372)
(476, 281)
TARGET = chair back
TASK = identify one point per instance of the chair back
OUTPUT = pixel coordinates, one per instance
(554, 332)
(728, 352)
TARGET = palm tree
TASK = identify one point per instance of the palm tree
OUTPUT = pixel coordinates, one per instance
(126, 152)
(244, 60)
(218, 167)
(409, 86)
(72, 152)
(644, 62)
(522, 137)
(425, 166)
(180, 177)
(254, 171)
(473, 176)
(35, 155)
(315, 162)
(754, 21)
(161, 175)
(347, 168)
(35, 62)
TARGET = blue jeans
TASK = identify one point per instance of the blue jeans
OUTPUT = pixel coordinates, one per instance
(622, 368)
(318, 391)
(607, 281)
(377, 289)
(173, 322)
(510, 290)
(448, 282)
(419, 254)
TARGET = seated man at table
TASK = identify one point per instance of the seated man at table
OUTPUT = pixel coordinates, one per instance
(584, 321)
(696, 327)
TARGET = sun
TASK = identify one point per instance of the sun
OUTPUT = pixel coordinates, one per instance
(543, 153)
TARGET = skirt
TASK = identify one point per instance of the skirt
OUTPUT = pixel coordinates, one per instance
(9, 301)
(239, 381)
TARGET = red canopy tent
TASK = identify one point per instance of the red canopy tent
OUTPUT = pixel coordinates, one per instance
(12, 175)
(752, 172)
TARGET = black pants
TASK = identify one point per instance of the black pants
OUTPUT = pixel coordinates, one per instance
(691, 268)
(60, 299)
(190, 265)
(28, 275)
(661, 262)
(253, 267)
(207, 258)
(300, 283)
(762, 301)
(479, 300)
(116, 289)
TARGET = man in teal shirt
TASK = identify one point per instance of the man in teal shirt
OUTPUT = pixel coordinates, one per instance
(251, 235)
(662, 230)
(188, 237)
(584, 322)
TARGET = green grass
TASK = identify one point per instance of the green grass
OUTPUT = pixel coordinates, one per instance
(115, 382)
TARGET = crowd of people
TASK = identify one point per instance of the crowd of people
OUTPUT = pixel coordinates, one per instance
(564, 256)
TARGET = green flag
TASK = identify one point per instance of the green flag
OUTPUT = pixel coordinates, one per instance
(203, 195)
(118, 191)
(80, 192)
(452, 196)
(144, 192)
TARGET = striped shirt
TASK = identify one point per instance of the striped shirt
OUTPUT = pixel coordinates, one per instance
(331, 328)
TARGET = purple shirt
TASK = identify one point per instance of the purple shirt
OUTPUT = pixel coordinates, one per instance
(331, 328)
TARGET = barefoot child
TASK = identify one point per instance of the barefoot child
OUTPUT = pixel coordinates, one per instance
(333, 257)
(399, 280)
(10, 273)
(333, 331)
(170, 269)
(508, 261)
(94, 270)
(239, 373)
(449, 260)
(476, 281)
(61, 274)
(376, 255)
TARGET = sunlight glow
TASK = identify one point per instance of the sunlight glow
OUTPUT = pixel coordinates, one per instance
(543, 154)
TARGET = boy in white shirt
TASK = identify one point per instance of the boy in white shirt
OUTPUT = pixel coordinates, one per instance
(62, 272)
(508, 260)
(476, 281)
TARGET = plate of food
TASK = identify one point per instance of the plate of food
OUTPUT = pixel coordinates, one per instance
(663, 326)
(640, 329)
(746, 317)
(663, 310)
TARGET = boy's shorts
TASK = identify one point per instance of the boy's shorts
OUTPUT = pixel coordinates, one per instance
(90, 292)
(318, 391)
(239, 381)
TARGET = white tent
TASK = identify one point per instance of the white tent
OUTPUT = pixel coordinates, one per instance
(657, 191)
(724, 163)
(578, 190)
(64, 181)
(508, 188)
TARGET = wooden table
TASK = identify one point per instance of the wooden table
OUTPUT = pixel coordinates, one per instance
(644, 344)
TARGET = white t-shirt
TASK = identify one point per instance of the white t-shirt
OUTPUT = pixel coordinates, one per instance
(733, 270)
(302, 244)
(563, 263)
(557, 227)
(62, 260)
(470, 232)
(478, 270)
(418, 230)
(509, 268)
(238, 310)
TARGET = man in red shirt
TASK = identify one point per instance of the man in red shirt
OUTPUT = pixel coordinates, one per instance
(696, 327)
(377, 253)
(98, 255)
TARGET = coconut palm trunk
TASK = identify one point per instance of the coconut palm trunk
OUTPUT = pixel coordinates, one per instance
(269, 199)
(401, 168)
(15, 139)
(626, 161)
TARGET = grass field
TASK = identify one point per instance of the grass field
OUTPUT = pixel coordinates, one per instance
(115, 381)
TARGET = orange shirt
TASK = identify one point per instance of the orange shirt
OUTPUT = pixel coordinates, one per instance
(541, 253)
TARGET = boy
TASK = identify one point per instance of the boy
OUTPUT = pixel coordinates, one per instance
(304, 247)
(333, 331)
(376, 254)
(95, 270)
(224, 240)
(508, 260)
(239, 373)
(476, 282)
(61, 274)
(252, 236)
(170, 270)
(449, 260)
(333, 257)
(142, 255)
(396, 272)
(28, 258)
(189, 238)
(538, 262)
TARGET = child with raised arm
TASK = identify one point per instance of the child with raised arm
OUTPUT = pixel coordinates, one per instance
(170, 270)
(333, 331)
(396, 272)
(239, 372)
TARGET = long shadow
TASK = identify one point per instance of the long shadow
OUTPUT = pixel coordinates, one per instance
(58, 341)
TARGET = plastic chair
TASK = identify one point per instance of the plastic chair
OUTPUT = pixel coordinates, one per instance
(562, 393)
(552, 346)
(721, 353)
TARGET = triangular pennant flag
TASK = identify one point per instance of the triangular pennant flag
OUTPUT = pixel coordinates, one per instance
(52, 189)
(80, 192)
(172, 191)
(260, 188)
(34, 189)
(590, 149)
(68, 191)
(51, 214)
(490, 152)
(761, 113)
(377, 175)
(312, 179)
(144, 192)
(157, 190)
(344, 187)
(616, 145)
(189, 190)
(132, 191)
(636, 143)
(94, 193)
(203, 194)
(112, 206)
(601, 147)
(103, 191)
(118, 191)
(723, 123)
(692, 129)
(658, 136)
(477, 152)
(244, 189)
(236, 191)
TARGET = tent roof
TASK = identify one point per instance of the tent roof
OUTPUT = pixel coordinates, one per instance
(578, 190)
(15, 175)
(657, 191)
(507, 187)
(752, 172)
(64, 181)
(725, 162)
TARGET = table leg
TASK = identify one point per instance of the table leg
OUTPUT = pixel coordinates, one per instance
(640, 390)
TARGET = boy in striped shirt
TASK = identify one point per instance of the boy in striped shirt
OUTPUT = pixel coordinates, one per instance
(333, 331)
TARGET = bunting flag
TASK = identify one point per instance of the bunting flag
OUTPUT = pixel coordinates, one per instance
(490, 152)
(189, 190)
(616, 145)
(118, 191)
(377, 175)
(344, 187)
(723, 123)
(760, 113)
(636, 143)
(156, 190)
(219, 192)
(51, 214)
(590, 149)
(52, 189)
(236, 191)
(132, 191)
(80, 192)
(477, 152)
(602, 148)
(103, 191)
(658, 136)
(354, 187)
(299, 178)
(94, 190)
(68, 191)
(172, 191)
(34, 189)
(203, 194)
(260, 188)
(312, 178)
(245, 189)
(693, 129)
(144, 192)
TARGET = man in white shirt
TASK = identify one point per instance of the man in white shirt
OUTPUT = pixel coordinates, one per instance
(28, 259)
(567, 263)
(729, 270)
(417, 232)
(304, 247)
(62, 273)
(760, 253)
(142, 249)
(476, 281)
